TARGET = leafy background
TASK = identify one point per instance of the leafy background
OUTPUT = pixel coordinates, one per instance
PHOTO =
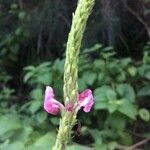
(114, 62)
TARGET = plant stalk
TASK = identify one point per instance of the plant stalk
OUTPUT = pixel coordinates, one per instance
(70, 88)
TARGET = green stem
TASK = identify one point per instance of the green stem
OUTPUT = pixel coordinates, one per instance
(68, 119)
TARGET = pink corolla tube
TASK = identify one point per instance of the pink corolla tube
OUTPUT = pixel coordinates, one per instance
(85, 100)
(51, 105)
(69, 107)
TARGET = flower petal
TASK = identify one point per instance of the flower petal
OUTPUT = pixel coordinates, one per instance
(86, 100)
(51, 105)
(49, 93)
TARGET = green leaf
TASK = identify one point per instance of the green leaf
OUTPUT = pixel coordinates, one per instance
(44, 65)
(59, 65)
(89, 77)
(28, 76)
(116, 121)
(47, 139)
(108, 49)
(96, 135)
(125, 62)
(121, 77)
(78, 147)
(82, 84)
(125, 138)
(21, 15)
(105, 97)
(98, 142)
(144, 91)
(58, 88)
(128, 109)
(19, 31)
(29, 68)
(9, 123)
(44, 78)
(112, 145)
(111, 94)
(41, 117)
(147, 75)
(44, 142)
(126, 91)
(37, 94)
(55, 121)
(132, 71)
(101, 105)
(99, 64)
(22, 134)
(112, 106)
(109, 133)
(100, 94)
(102, 146)
(35, 105)
(144, 114)
(13, 6)
(93, 49)
(13, 146)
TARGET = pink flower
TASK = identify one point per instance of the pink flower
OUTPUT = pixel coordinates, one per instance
(85, 100)
(69, 107)
(51, 105)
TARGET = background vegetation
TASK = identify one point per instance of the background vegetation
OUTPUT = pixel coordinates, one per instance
(114, 63)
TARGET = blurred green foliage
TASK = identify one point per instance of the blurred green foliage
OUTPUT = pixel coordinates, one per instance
(31, 57)
(119, 84)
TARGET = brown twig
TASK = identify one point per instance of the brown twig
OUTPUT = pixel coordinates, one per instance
(135, 146)
(138, 144)
(147, 27)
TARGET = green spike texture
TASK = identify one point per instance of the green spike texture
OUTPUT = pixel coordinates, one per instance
(70, 89)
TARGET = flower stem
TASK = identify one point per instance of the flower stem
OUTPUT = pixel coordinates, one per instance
(70, 89)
